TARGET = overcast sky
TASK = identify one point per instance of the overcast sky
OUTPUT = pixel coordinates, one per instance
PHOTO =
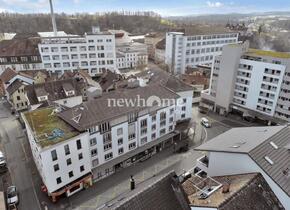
(163, 7)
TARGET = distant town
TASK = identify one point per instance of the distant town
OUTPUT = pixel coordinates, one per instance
(192, 114)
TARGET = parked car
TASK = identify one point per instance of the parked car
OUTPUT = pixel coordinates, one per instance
(205, 122)
(2, 160)
(12, 196)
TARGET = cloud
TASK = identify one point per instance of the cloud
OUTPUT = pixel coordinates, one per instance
(27, 4)
(216, 4)
(76, 1)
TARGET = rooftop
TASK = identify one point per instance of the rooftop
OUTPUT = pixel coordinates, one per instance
(240, 140)
(7, 75)
(206, 30)
(268, 53)
(158, 192)
(19, 47)
(96, 111)
(48, 129)
(14, 86)
(243, 193)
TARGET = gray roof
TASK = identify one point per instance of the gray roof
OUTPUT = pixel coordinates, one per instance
(99, 110)
(163, 77)
(256, 143)
(280, 157)
(240, 140)
(14, 86)
(162, 192)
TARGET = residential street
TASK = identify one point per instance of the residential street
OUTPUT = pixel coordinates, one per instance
(25, 177)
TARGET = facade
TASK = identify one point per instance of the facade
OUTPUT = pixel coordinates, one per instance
(20, 54)
(94, 53)
(151, 40)
(252, 82)
(262, 150)
(159, 54)
(59, 152)
(17, 96)
(191, 49)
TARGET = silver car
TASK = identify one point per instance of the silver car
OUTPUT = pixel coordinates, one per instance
(12, 196)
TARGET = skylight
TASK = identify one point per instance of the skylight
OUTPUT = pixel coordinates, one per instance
(274, 145)
(269, 160)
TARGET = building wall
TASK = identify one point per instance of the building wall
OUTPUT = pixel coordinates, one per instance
(182, 51)
(71, 101)
(100, 47)
(187, 113)
(21, 66)
(159, 56)
(50, 176)
(234, 163)
(19, 99)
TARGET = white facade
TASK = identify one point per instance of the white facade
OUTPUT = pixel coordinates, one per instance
(21, 66)
(56, 173)
(184, 50)
(92, 52)
(184, 107)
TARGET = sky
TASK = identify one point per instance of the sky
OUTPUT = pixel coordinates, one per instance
(163, 7)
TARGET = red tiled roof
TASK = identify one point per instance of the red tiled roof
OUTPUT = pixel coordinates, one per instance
(7, 75)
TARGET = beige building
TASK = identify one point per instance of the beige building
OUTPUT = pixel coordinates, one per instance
(17, 96)
(151, 40)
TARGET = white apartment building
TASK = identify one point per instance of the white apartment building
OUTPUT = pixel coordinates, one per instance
(60, 153)
(252, 82)
(262, 150)
(191, 49)
(94, 52)
(129, 54)
(110, 140)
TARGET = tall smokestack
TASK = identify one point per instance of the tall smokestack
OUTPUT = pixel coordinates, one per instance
(53, 19)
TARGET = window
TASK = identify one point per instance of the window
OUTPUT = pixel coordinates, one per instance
(171, 119)
(82, 168)
(183, 108)
(92, 130)
(153, 127)
(162, 115)
(120, 141)
(94, 152)
(18, 98)
(81, 156)
(71, 174)
(56, 167)
(183, 116)
(79, 145)
(107, 146)
(171, 110)
(144, 140)
(104, 127)
(93, 141)
(121, 150)
(153, 118)
(95, 162)
(132, 117)
(143, 123)
(131, 136)
(170, 128)
(132, 145)
(107, 138)
(58, 180)
(68, 161)
(153, 136)
(119, 131)
(66, 149)
(53, 155)
(109, 156)
(184, 100)
(162, 132)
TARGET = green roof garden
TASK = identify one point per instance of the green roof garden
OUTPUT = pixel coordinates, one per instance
(48, 128)
(269, 53)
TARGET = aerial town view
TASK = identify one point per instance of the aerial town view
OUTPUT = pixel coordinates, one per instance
(144, 105)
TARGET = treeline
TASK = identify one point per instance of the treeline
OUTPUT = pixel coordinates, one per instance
(138, 22)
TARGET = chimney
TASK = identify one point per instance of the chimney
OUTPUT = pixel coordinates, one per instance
(226, 187)
(53, 19)
(132, 183)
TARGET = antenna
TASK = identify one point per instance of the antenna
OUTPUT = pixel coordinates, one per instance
(53, 19)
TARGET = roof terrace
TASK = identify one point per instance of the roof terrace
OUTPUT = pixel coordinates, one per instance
(48, 128)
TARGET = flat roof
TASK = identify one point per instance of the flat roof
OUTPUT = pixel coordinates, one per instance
(48, 128)
(240, 140)
(268, 53)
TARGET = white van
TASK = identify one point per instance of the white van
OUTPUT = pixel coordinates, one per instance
(205, 122)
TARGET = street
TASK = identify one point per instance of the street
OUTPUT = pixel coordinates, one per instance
(24, 175)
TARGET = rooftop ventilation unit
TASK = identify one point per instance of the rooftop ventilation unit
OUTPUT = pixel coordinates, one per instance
(274, 145)
(269, 160)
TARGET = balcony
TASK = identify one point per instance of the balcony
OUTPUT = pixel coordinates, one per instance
(202, 163)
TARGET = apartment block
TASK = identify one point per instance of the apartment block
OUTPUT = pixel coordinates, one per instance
(74, 146)
(250, 82)
(188, 49)
(93, 52)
